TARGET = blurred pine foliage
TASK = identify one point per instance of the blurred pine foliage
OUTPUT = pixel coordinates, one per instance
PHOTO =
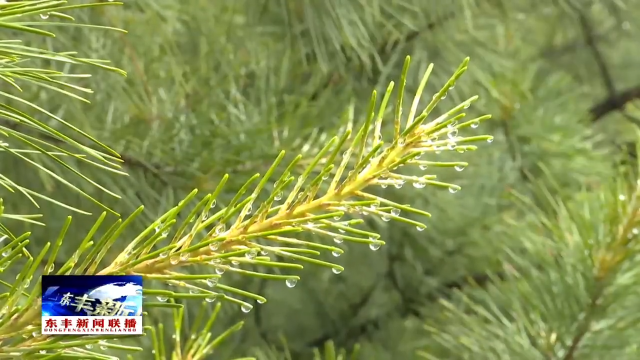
(222, 87)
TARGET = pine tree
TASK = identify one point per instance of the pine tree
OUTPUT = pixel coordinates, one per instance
(223, 88)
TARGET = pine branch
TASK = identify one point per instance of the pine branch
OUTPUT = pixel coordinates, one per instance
(16, 72)
(607, 266)
(251, 226)
(302, 207)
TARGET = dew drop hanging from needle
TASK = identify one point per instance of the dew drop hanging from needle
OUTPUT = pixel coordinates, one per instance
(44, 16)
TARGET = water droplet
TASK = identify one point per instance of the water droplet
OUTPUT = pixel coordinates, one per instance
(336, 218)
(459, 167)
(51, 268)
(210, 299)
(452, 133)
(184, 256)
(385, 218)
(264, 252)
(443, 96)
(6, 252)
(212, 282)
(43, 351)
(336, 253)
(460, 150)
(165, 233)
(325, 176)
(419, 184)
(635, 231)
(620, 197)
(466, 106)
(235, 262)
(158, 227)
(490, 140)
(424, 167)
(453, 189)
(103, 347)
(291, 282)
(395, 212)
(3, 238)
(384, 186)
(251, 254)
(213, 204)
(220, 229)
(278, 196)
(44, 15)
(246, 308)
(164, 254)
(205, 216)
(35, 333)
(341, 230)
(220, 270)
(174, 260)
(261, 301)
(418, 156)
(214, 245)
(162, 298)
(336, 270)
(249, 209)
(451, 145)
(194, 291)
(375, 245)
(398, 185)
(338, 240)
(475, 124)
(420, 227)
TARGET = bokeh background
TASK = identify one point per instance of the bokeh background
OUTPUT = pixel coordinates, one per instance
(218, 87)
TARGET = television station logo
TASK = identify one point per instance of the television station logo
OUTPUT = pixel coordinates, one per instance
(91, 305)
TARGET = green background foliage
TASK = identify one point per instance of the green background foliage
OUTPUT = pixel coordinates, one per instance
(222, 87)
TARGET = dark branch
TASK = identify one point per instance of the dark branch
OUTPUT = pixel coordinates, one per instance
(614, 102)
(589, 38)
